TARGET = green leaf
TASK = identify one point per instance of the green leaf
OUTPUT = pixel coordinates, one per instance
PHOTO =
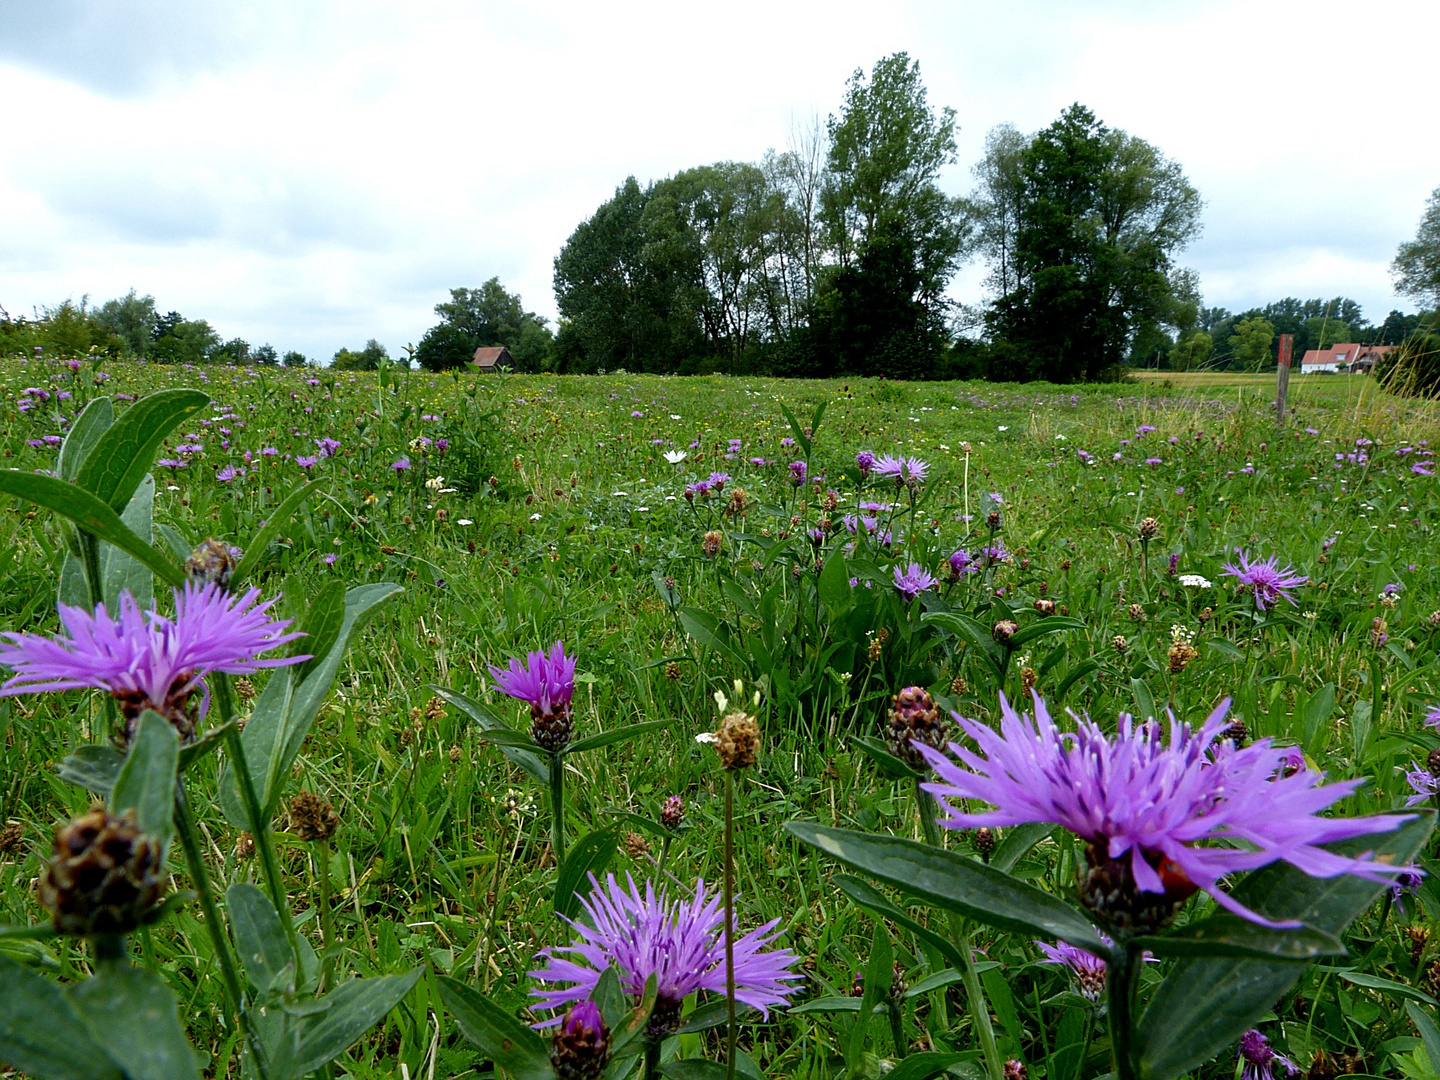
(39, 1032)
(1052, 624)
(834, 584)
(609, 996)
(1230, 935)
(1318, 711)
(1429, 1033)
(260, 937)
(954, 882)
(1016, 843)
(797, 429)
(286, 708)
(884, 760)
(82, 436)
(928, 1063)
(1144, 700)
(504, 736)
(693, 1069)
(879, 974)
(485, 720)
(1386, 986)
(259, 544)
(711, 633)
(119, 572)
(123, 453)
(817, 1005)
(635, 1021)
(591, 854)
(1074, 675)
(88, 513)
(507, 1042)
(1204, 1005)
(204, 746)
(938, 981)
(136, 1018)
(321, 626)
(714, 1013)
(146, 782)
(93, 767)
(972, 631)
(867, 896)
(654, 828)
(353, 1008)
(608, 738)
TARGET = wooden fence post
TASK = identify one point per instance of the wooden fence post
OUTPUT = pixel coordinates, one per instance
(1282, 375)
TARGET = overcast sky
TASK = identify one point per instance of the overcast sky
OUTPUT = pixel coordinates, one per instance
(313, 174)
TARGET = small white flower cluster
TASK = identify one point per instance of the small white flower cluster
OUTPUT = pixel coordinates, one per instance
(1181, 635)
(1195, 581)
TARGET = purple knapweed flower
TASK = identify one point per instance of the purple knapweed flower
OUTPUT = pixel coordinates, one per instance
(307, 463)
(1088, 969)
(148, 660)
(1265, 579)
(718, 480)
(1260, 1059)
(797, 473)
(991, 554)
(1432, 717)
(401, 465)
(327, 446)
(913, 580)
(1423, 784)
(229, 473)
(904, 470)
(545, 680)
(865, 461)
(681, 944)
(1141, 802)
(961, 563)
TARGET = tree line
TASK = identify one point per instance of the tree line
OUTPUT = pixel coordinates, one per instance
(834, 257)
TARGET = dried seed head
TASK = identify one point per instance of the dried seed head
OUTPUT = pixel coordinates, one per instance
(1149, 528)
(1206, 614)
(1028, 678)
(915, 718)
(104, 877)
(1121, 645)
(12, 838)
(898, 985)
(737, 740)
(672, 814)
(636, 846)
(1432, 762)
(580, 1047)
(244, 689)
(1181, 654)
(312, 818)
(455, 754)
(1136, 613)
(672, 671)
(1419, 937)
(711, 543)
(213, 563)
(959, 686)
(1045, 606)
(434, 708)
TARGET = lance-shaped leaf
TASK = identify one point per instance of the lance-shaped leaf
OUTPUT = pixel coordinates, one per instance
(259, 544)
(978, 634)
(871, 898)
(40, 1033)
(259, 935)
(1053, 624)
(93, 767)
(119, 572)
(1204, 1005)
(888, 764)
(146, 782)
(954, 882)
(616, 735)
(507, 1042)
(592, 854)
(90, 514)
(82, 436)
(351, 1009)
(1230, 935)
(485, 720)
(124, 451)
(136, 1018)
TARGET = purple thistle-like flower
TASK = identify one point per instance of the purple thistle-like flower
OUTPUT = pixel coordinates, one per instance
(914, 580)
(797, 473)
(1432, 717)
(865, 461)
(962, 563)
(1260, 1059)
(148, 660)
(1142, 803)
(1265, 579)
(546, 681)
(1423, 783)
(904, 470)
(680, 943)
(1088, 969)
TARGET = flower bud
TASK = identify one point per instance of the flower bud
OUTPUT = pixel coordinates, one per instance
(672, 815)
(580, 1047)
(915, 718)
(1004, 630)
(737, 740)
(213, 563)
(312, 818)
(104, 877)
(1149, 528)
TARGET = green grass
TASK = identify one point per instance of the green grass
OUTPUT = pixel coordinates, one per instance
(563, 517)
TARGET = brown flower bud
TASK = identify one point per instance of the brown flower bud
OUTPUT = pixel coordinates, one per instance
(434, 708)
(104, 877)
(1044, 606)
(1136, 612)
(12, 838)
(1121, 645)
(984, 840)
(672, 671)
(672, 814)
(213, 563)
(312, 818)
(711, 543)
(636, 846)
(1004, 630)
(737, 740)
(1028, 678)
(1149, 528)
(915, 718)
(1181, 654)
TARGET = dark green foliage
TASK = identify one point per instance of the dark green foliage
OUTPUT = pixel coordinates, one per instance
(367, 359)
(1417, 264)
(484, 317)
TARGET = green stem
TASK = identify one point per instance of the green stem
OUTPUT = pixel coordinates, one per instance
(327, 917)
(970, 978)
(729, 924)
(664, 855)
(108, 949)
(897, 1027)
(1120, 990)
(90, 557)
(259, 824)
(229, 973)
(557, 808)
(652, 1058)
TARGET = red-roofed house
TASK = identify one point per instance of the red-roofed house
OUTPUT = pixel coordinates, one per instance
(1347, 357)
(493, 358)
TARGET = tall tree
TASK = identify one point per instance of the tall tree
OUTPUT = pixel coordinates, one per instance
(487, 316)
(1100, 215)
(131, 318)
(896, 238)
(1250, 344)
(996, 204)
(1416, 268)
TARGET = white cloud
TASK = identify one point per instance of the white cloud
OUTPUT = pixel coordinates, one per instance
(315, 175)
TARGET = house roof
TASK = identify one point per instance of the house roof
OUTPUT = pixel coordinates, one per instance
(489, 356)
(1347, 353)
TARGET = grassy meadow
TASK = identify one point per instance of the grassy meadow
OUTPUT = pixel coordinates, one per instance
(520, 510)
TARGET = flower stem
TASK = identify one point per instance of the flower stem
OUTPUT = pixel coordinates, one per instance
(557, 808)
(729, 924)
(974, 992)
(652, 1058)
(1123, 977)
(259, 823)
(229, 974)
(327, 917)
